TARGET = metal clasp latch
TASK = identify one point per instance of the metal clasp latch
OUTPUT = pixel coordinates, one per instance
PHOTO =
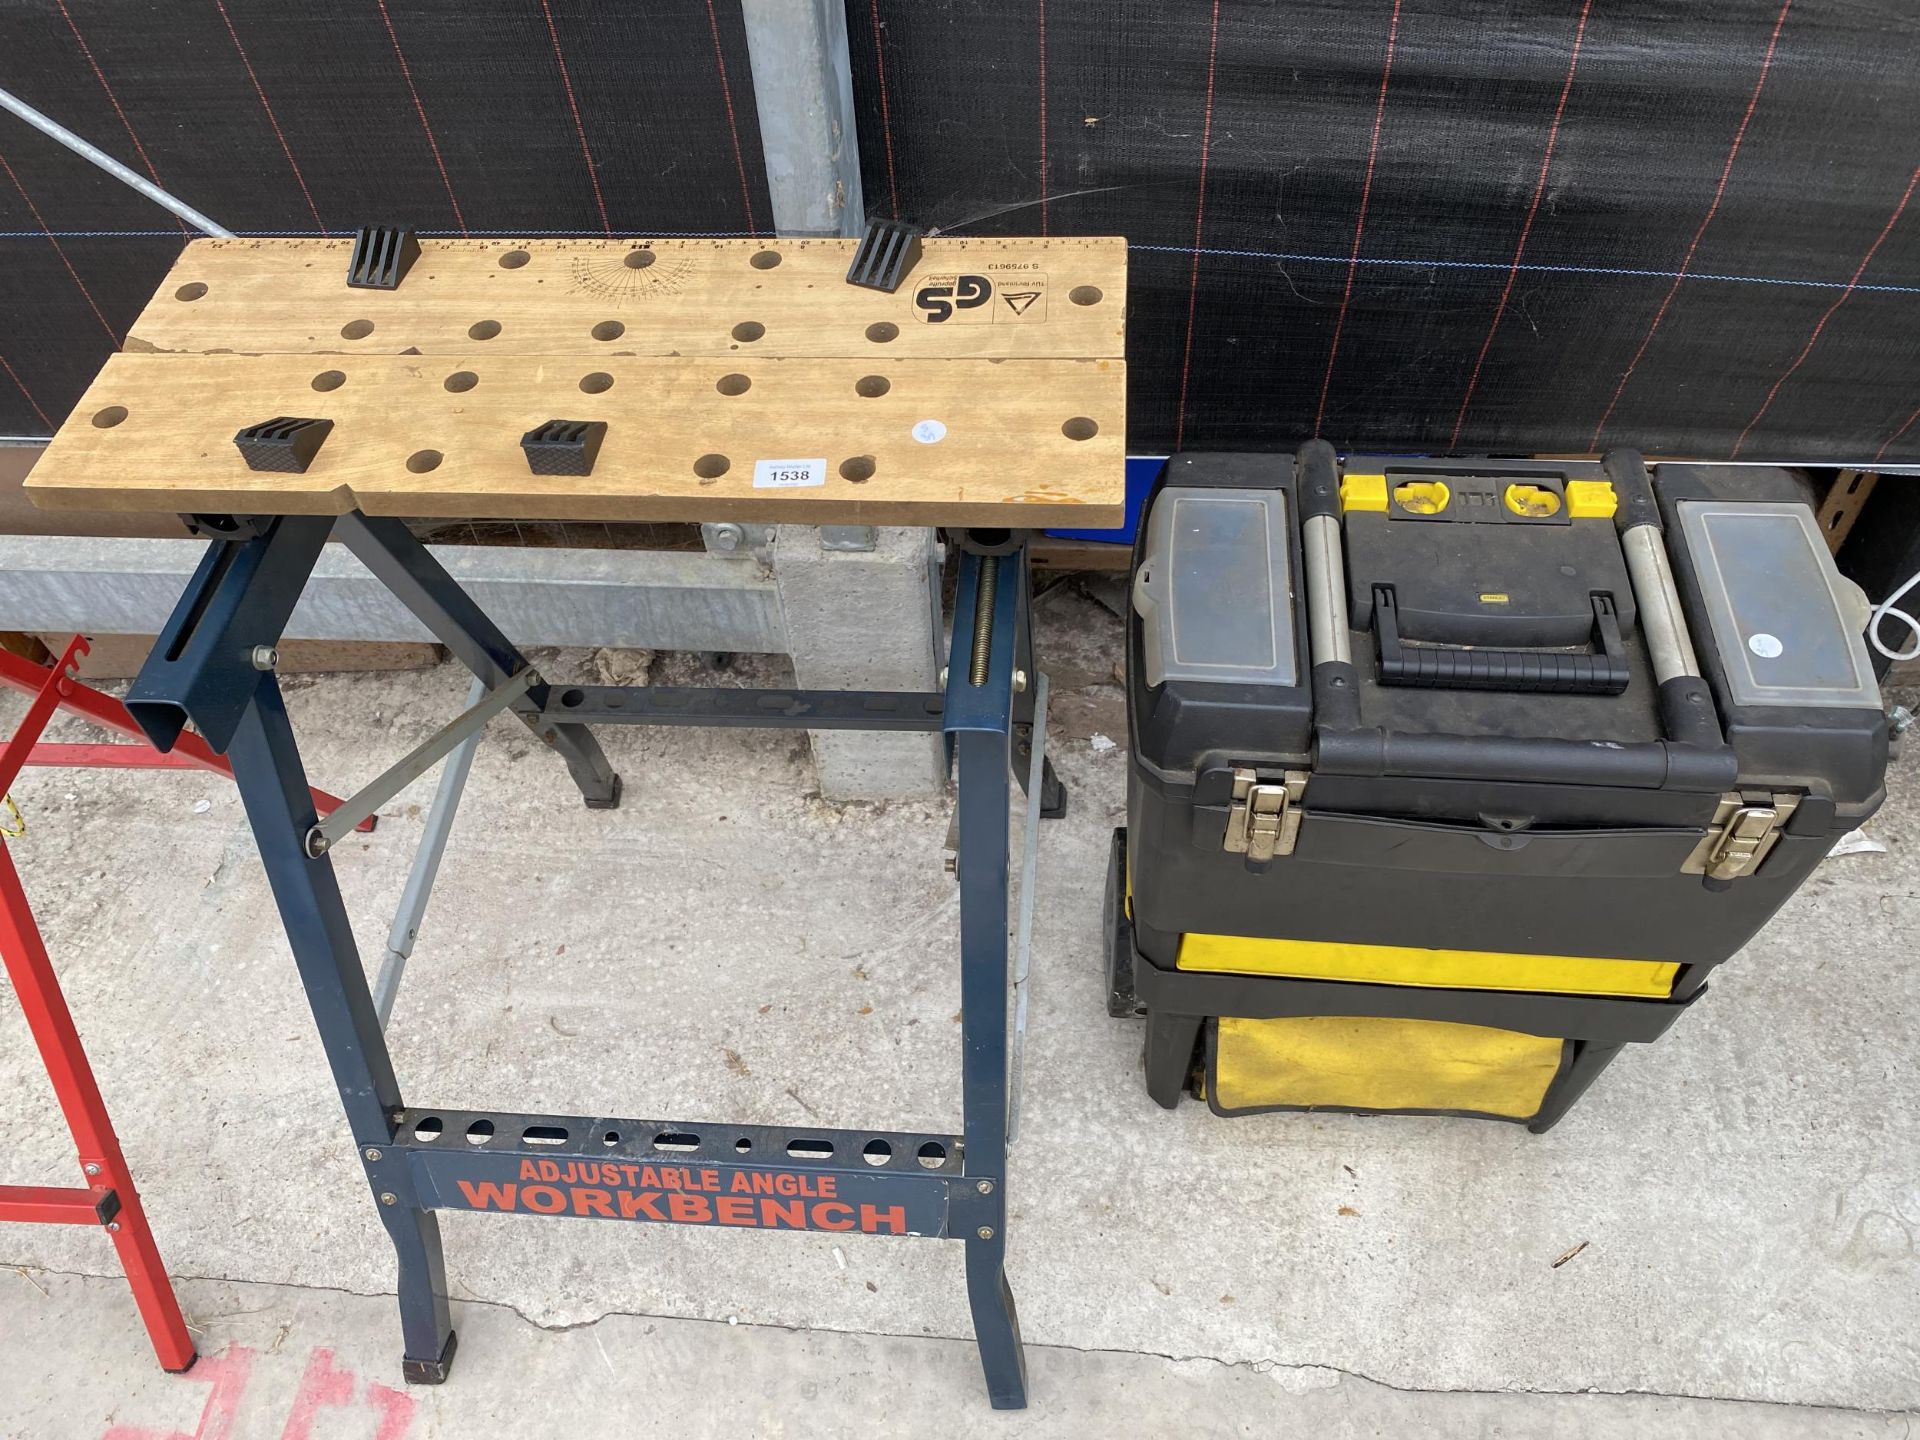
(1742, 835)
(1265, 818)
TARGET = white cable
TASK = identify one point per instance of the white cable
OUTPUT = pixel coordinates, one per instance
(1887, 610)
(53, 128)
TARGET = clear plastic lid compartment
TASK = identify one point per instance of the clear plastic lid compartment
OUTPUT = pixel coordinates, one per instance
(1215, 589)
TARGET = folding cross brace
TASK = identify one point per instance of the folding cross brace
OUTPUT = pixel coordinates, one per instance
(422, 1159)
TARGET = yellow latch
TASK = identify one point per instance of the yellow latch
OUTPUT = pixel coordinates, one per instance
(1591, 500)
(1363, 492)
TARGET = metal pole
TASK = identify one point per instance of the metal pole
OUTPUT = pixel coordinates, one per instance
(426, 866)
(803, 89)
(86, 151)
(1023, 930)
(415, 763)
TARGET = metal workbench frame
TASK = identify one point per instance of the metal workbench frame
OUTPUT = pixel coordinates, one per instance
(212, 667)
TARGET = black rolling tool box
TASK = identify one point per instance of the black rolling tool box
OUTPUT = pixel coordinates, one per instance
(1450, 778)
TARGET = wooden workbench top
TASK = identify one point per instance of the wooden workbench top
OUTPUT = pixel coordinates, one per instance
(738, 379)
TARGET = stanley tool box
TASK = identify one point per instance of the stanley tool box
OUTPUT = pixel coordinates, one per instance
(1451, 778)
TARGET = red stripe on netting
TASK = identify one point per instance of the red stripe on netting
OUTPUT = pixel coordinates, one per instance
(1814, 338)
(886, 112)
(579, 126)
(1360, 220)
(1043, 116)
(1739, 135)
(733, 127)
(272, 119)
(21, 386)
(112, 99)
(1526, 230)
(1199, 221)
(1892, 439)
(406, 73)
(46, 230)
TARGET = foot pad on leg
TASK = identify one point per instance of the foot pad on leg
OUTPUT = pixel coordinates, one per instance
(612, 802)
(431, 1372)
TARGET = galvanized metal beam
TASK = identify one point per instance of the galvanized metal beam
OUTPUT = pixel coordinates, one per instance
(626, 599)
(803, 89)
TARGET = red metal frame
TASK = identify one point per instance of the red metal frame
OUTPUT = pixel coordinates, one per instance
(108, 1197)
(104, 757)
(189, 751)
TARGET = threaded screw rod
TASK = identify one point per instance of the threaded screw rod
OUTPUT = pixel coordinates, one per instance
(983, 598)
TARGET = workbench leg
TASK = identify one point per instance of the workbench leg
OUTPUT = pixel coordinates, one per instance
(406, 567)
(983, 768)
(1053, 793)
(273, 787)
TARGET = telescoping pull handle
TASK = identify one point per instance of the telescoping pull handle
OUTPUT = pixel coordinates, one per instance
(1603, 671)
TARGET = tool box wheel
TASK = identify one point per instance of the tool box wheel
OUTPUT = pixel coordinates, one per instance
(1121, 1001)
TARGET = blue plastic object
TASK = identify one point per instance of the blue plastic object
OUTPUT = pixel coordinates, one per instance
(1142, 471)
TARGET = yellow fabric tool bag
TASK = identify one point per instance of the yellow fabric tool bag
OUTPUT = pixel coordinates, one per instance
(1417, 1067)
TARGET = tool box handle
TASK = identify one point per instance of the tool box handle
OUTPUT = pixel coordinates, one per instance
(1467, 667)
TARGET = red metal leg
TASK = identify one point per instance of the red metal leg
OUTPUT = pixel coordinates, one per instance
(105, 1169)
(147, 1276)
(55, 755)
(103, 710)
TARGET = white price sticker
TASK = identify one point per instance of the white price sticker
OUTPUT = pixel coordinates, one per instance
(788, 474)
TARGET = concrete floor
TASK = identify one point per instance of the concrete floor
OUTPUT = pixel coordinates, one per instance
(726, 945)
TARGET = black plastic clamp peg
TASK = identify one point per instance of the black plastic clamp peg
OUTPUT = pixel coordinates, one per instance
(563, 447)
(382, 255)
(286, 444)
(227, 527)
(887, 252)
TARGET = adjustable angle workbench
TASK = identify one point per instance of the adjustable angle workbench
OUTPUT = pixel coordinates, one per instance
(279, 392)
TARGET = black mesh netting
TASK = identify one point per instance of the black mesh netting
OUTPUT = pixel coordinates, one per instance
(1715, 257)
(302, 116)
(1255, 133)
